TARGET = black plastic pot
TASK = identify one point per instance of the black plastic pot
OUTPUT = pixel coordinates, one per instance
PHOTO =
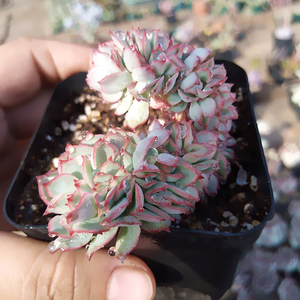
(201, 260)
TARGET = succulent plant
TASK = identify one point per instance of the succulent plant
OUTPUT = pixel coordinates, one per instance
(116, 184)
(145, 70)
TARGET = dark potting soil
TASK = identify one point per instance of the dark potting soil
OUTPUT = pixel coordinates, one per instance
(236, 208)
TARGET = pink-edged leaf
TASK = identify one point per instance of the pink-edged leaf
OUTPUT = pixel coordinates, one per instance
(116, 82)
(178, 108)
(157, 187)
(173, 99)
(41, 180)
(178, 200)
(216, 82)
(74, 242)
(119, 39)
(124, 105)
(158, 211)
(158, 199)
(213, 185)
(208, 107)
(219, 70)
(110, 167)
(124, 221)
(55, 228)
(158, 86)
(167, 159)
(132, 58)
(189, 192)
(202, 53)
(126, 240)
(146, 183)
(191, 62)
(61, 184)
(207, 137)
(139, 199)
(137, 114)
(71, 166)
(58, 205)
(81, 149)
(156, 227)
(111, 98)
(156, 102)
(141, 150)
(195, 111)
(102, 151)
(143, 74)
(94, 75)
(187, 97)
(86, 209)
(101, 240)
(188, 137)
(173, 177)
(89, 226)
(176, 209)
(204, 93)
(109, 200)
(204, 74)
(116, 210)
(159, 67)
(190, 173)
(161, 135)
(189, 81)
(148, 216)
(171, 83)
(198, 152)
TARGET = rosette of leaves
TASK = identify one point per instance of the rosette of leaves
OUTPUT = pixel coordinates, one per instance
(115, 184)
(139, 70)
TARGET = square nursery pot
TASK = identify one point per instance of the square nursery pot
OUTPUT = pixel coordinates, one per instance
(202, 260)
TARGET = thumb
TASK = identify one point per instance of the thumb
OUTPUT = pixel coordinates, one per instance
(28, 272)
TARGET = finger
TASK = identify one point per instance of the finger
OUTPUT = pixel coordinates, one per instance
(29, 64)
(29, 272)
(25, 118)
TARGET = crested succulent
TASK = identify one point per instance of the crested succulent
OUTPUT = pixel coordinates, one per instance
(149, 70)
(113, 185)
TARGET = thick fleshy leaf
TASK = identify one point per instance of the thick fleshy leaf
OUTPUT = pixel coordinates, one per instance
(198, 152)
(89, 226)
(167, 159)
(132, 58)
(110, 167)
(124, 105)
(101, 153)
(141, 151)
(74, 242)
(126, 240)
(143, 74)
(148, 216)
(116, 210)
(171, 83)
(137, 114)
(189, 81)
(156, 227)
(55, 228)
(190, 174)
(173, 98)
(188, 192)
(161, 135)
(58, 205)
(111, 98)
(61, 184)
(204, 74)
(207, 137)
(158, 211)
(101, 240)
(187, 97)
(71, 166)
(94, 75)
(213, 185)
(86, 209)
(195, 111)
(41, 180)
(208, 107)
(180, 107)
(202, 53)
(116, 82)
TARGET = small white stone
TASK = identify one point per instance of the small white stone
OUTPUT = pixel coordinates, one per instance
(73, 127)
(65, 125)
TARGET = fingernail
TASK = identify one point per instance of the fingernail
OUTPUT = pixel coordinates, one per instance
(129, 283)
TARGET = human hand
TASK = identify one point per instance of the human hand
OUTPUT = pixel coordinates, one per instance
(29, 69)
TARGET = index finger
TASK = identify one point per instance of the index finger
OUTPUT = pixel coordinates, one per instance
(29, 64)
